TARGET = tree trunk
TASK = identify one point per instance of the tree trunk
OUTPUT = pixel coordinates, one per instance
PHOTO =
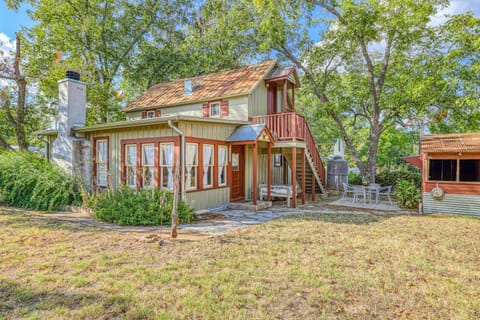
(22, 91)
(174, 217)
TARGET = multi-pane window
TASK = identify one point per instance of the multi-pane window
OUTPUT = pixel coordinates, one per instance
(208, 156)
(150, 114)
(166, 165)
(148, 166)
(102, 162)
(191, 166)
(222, 165)
(214, 109)
(131, 165)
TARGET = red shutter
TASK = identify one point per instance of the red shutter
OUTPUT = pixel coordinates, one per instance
(206, 110)
(144, 114)
(158, 113)
(224, 108)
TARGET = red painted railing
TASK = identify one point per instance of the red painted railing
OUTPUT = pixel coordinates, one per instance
(290, 126)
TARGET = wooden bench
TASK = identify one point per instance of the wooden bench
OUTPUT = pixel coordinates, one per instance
(278, 191)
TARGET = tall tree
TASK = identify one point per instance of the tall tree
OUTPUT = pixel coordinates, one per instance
(97, 38)
(11, 70)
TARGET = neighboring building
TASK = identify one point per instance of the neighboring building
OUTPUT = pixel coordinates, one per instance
(228, 132)
(450, 173)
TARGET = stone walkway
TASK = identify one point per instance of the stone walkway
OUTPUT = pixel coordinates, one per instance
(223, 221)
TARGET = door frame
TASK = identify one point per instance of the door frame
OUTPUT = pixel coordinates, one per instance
(241, 166)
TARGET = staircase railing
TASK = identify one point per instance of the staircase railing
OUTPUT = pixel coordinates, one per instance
(290, 126)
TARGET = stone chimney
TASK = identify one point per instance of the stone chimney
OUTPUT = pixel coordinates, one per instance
(72, 105)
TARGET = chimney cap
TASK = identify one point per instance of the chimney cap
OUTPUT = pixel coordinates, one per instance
(74, 75)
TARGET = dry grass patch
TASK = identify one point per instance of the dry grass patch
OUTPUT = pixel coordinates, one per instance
(310, 267)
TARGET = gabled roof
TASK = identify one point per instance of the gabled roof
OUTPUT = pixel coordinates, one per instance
(456, 142)
(250, 133)
(214, 86)
(284, 72)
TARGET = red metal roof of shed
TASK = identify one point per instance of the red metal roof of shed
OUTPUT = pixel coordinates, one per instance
(456, 142)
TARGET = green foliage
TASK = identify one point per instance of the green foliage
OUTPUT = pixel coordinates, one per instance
(354, 178)
(408, 194)
(144, 207)
(29, 181)
(402, 173)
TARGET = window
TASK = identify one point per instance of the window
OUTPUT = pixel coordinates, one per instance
(443, 170)
(208, 156)
(101, 159)
(277, 160)
(131, 165)
(222, 165)
(191, 164)
(215, 109)
(166, 165)
(469, 170)
(150, 114)
(148, 169)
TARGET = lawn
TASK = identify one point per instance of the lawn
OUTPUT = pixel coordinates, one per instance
(304, 267)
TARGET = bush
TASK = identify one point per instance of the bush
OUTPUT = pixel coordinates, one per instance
(408, 194)
(393, 177)
(28, 180)
(144, 207)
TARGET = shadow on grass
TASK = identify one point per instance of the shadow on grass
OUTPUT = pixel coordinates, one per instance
(16, 298)
(358, 219)
(28, 220)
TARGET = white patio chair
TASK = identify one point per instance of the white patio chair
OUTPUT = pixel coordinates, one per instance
(347, 190)
(385, 191)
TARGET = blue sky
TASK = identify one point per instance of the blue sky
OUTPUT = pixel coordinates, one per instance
(11, 21)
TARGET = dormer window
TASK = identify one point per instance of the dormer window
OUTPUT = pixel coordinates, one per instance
(215, 109)
(150, 114)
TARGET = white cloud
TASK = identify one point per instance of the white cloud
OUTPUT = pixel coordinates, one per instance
(5, 44)
(456, 7)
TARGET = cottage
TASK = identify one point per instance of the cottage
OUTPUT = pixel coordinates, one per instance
(229, 132)
(450, 173)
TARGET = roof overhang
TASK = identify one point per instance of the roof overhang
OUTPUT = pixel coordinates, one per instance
(250, 134)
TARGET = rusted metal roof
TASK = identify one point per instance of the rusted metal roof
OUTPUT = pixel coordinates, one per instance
(456, 142)
(414, 161)
(214, 86)
(284, 72)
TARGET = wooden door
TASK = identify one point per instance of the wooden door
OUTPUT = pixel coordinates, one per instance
(237, 189)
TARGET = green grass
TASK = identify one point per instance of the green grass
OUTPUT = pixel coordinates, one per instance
(312, 267)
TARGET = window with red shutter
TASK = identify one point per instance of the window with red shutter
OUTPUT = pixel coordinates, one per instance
(144, 114)
(158, 113)
(224, 108)
(206, 110)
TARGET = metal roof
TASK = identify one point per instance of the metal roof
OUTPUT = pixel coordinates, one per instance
(214, 86)
(249, 132)
(456, 142)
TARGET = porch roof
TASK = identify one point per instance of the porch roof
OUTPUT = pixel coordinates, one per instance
(251, 133)
(456, 142)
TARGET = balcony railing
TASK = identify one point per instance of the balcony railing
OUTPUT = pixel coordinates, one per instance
(290, 126)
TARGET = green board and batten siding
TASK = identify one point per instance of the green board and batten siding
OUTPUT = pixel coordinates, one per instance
(212, 131)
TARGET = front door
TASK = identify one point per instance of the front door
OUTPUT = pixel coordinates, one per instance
(238, 178)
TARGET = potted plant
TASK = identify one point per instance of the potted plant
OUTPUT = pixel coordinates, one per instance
(365, 181)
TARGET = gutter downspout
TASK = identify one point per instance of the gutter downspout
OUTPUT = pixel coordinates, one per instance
(182, 157)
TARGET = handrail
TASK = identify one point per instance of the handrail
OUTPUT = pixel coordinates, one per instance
(290, 126)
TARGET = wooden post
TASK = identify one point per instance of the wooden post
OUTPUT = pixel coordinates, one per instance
(269, 173)
(285, 103)
(285, 169)
(255, 155)
(303, 175)
(294, 177)
(293, 97)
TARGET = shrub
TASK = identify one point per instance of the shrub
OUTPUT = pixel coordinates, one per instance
(408, 194)
(405, 172)
(29, 181)
(144, 207)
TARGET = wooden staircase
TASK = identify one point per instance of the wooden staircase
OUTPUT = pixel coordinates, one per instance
(290, 126)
